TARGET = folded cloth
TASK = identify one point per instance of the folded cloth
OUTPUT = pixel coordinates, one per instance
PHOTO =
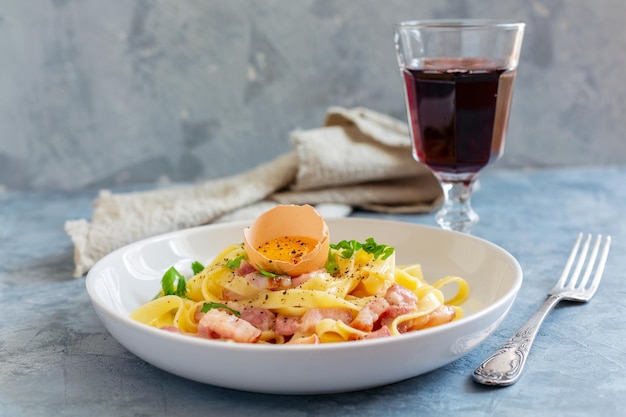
(359, 157)
(354, 146)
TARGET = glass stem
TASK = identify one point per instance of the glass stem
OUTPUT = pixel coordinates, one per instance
(457, 213)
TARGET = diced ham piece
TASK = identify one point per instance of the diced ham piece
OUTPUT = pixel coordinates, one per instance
(399, 296)
(252, 274)
(218, 324)
(315, 315)
(382, 332)
(444, 314)
(301, 279)
(228, 295)
(286, 325)
(261, 318)
(281, 282)
(370, 314)
(245, 268)
(401, 301)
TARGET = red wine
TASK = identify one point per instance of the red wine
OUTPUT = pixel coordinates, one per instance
(458, 113)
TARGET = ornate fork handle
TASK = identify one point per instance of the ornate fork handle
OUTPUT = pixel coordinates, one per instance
(505, 366)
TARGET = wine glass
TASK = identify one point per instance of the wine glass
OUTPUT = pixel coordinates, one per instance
(458, 85)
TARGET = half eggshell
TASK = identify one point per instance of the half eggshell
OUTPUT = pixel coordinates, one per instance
(288, 221)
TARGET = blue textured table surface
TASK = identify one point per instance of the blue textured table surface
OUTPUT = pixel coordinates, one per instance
(56, 358)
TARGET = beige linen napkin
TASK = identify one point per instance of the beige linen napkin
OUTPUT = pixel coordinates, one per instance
(360, 158)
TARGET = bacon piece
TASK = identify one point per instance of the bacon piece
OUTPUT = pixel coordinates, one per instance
(444, 314)
(245, 268)
(218, 324)
(370, 314)
(399, 296)
(301, 279)
(261, 318)
(401, 301)
(382, 332)
(229, 295)
(281, 282)
(286, 325)
(315, 315)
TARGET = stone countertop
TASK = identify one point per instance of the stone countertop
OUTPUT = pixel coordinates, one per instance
(56, 358)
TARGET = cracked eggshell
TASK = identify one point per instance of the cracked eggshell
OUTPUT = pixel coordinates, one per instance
(292, 221)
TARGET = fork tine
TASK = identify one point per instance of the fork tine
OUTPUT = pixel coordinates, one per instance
(591, 263)
(568, 266)
(579, 265)
(600, 269)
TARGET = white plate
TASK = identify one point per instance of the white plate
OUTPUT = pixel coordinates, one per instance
(131, 276)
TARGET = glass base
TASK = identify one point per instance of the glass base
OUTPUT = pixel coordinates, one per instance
(457, 213)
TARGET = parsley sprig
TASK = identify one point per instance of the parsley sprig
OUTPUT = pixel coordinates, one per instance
(235, 263)
(332, 267)
(265, 273)
(174, 283)
(347, 248)
(196, 267)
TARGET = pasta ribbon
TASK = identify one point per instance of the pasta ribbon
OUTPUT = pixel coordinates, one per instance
(296, 301)
(330, 330)
(462, 292)
(162, 312)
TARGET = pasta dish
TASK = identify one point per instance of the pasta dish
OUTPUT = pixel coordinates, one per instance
(360, 293)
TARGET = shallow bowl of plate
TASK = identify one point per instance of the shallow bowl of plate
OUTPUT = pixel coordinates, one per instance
(130, 276)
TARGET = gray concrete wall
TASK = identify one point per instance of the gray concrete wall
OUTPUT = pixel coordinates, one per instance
(101, 92)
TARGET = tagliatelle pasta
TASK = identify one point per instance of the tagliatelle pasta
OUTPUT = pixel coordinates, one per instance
(359, 295)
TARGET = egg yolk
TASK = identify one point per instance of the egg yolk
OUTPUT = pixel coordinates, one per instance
(287, 248)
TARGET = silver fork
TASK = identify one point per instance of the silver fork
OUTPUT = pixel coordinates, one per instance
(505, 366)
